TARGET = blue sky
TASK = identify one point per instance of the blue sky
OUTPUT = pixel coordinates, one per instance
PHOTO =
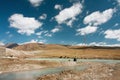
(60, 21)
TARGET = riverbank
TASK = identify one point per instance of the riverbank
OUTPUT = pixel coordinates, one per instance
(16, 64)
(13, 65)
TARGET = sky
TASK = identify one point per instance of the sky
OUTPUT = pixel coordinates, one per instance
(73, 22)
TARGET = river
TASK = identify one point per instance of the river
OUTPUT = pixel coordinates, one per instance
(33, 74)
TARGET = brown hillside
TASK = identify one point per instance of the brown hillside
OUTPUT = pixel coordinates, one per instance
(38, 46)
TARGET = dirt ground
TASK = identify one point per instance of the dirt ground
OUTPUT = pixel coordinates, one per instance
(10, 65)
(81, 53)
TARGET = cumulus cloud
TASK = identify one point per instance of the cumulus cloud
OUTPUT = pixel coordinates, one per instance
(98, 44)
(112, 34)
(34, 41)
(59, 7)
(68, 14)
(44, 33)
(86, 30)
(81, 44)
(93, 44)
(94, 20)
(114, 45)
(48, 35)
(25, 25)
(36, 3)
(98, 18)
(56, 29)
(69, 23)
(39, 33)
(43, 16)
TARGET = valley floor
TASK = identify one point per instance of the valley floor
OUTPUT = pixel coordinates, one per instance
(84, 71)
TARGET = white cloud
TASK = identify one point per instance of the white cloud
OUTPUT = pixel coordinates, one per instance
(94, 20)
(34, 41)
(45, 33)
(25, 25)
(112, 34)
(98, 18)
(118, 2)
(81, 44)
(2, 44)
(36, 3)
(56, 29)
(59, 7)
(116, 24)
(68, 14)
(43, 16)
(42, 41)
(69, 23)
(48, 34)
(114, 45)
(39, 33)
(99, 44)
(86, 30)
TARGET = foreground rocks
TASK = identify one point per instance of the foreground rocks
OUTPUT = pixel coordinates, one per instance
(95, 71)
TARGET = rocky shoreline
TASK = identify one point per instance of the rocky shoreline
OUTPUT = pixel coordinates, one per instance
(96, 71)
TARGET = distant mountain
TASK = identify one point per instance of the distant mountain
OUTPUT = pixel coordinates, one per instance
(39, 46)
(93, 47)
(11, 45)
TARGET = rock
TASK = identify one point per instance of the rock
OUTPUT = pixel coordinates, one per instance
(11, 45)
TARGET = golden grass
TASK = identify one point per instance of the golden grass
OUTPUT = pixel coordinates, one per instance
(82, 53)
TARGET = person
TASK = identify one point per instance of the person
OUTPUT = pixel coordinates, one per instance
(75, 59)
